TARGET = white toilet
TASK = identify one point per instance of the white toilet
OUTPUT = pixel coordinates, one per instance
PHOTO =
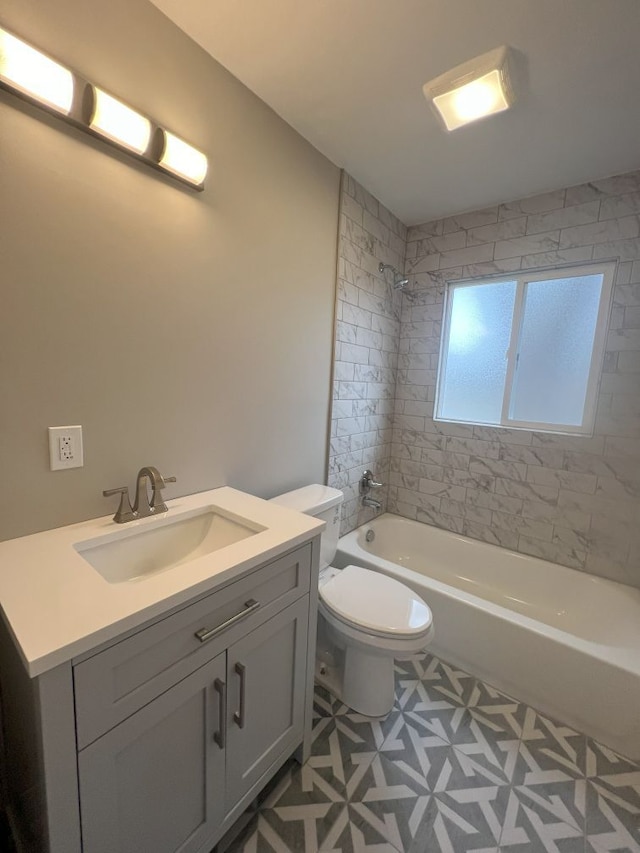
(365, 619)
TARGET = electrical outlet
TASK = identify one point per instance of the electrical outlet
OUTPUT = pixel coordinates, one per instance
(65, 447)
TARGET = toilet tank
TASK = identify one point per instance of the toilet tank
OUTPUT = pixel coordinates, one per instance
(322, 502)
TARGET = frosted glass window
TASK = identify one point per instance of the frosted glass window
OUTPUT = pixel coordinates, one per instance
(525, 351)
(479, 331)
(559, 321)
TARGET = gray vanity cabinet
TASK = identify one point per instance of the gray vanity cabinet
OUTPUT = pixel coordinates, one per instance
(266, 676)
(156, 782)
(158, 740)
(167, 777)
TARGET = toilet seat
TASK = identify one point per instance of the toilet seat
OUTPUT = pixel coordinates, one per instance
(375, 603)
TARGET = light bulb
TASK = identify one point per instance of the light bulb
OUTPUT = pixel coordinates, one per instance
(117, 121)
(26, 69)
(183, 159)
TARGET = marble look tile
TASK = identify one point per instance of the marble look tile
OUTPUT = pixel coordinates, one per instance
(560, 256)
(351, 209)
(625, 250)
(534, 244)
(529, 455)
(540, 511)
(491, 535)
(369, 338)
(503, 435)
(493, 502)
(496, 468)
(437, 518)
(465, 221)
(495, 267)
(617, 185)
(468, 479)
(615, 207)
(579, 214)
(534, 204)
(561, 479)
(528, 491)
(470, 255)
(605, 231)
(427, 229)
(442, 243)
(521, 525)
(552, 552)
(422, 264)
(503, 230)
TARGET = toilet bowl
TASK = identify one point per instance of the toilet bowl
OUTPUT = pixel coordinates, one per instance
(366, 620)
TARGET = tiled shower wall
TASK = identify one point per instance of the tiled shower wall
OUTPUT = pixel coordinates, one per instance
(572, 500)
(367, 336)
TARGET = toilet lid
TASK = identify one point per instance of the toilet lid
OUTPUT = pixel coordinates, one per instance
(375, 602)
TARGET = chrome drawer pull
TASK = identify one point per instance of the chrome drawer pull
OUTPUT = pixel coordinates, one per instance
(205, 634)
(220, 736)
(238, 716)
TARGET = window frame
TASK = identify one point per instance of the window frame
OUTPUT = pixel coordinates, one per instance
(522, 278)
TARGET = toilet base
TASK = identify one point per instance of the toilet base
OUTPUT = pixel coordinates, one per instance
(368, 683)
(361, 678)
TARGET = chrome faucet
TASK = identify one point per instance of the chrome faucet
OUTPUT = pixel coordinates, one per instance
(371, 502)
(142, 506)
(368, 482)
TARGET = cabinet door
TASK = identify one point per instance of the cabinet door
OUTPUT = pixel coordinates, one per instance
(266, 671)
(155, 783)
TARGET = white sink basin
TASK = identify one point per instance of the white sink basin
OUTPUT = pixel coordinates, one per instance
(158, 544)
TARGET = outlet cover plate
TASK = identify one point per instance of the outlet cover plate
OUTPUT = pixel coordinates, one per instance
(65, 447)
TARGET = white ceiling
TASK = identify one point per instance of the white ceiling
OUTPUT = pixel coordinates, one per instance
(348, 75)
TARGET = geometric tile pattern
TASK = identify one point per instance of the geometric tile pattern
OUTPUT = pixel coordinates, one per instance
(455, 766)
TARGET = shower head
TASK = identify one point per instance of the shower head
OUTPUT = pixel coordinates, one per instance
(399, 281)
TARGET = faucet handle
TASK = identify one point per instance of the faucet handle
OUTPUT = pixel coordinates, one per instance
(368, 482)
(124, 511)
(157, 504)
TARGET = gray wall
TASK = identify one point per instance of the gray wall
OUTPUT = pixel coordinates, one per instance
(572, 500)
(190, 331)
(367, 337)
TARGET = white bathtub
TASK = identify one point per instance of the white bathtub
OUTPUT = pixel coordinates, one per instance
(562, 641)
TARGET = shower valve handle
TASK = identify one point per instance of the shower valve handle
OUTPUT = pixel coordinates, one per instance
(367, 483)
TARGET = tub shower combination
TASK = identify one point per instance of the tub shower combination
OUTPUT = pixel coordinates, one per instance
(562, 641)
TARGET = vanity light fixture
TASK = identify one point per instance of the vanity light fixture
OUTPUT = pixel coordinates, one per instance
(32, 75)
(182, 159)
(473, 90)
(118, 122)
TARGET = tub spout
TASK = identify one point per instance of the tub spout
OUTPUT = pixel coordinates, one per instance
(372, 502)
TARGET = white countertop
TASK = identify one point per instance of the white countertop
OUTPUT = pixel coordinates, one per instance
(57, 606)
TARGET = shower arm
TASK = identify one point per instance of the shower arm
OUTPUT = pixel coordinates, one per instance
(399, 281)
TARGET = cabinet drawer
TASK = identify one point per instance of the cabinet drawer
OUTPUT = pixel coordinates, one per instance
(115, 683)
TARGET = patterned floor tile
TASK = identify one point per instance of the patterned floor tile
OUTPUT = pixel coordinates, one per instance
(461, 822)
(442, 702)
(456, 766)
(531, 826)
(612, 801)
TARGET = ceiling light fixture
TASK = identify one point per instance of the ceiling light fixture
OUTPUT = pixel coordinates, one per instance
(32, 75)
(473, 90)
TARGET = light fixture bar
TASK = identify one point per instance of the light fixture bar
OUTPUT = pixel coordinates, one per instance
(473, 90)
(32, 75)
